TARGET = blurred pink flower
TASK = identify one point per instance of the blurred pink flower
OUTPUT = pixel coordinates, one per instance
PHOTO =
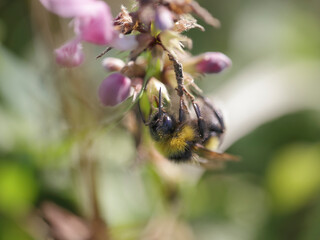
(70, 54)
(114, 89)
(96, 26)
(92, 21)
(212, 62)
(70, 8)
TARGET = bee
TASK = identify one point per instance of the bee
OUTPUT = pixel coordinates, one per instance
(186, 139)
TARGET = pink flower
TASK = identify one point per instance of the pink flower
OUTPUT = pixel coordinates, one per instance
(212, 62)
(96, 26)
(114, 89)
(93, 20)
(70, 54)
(70, 8)
(92, 23)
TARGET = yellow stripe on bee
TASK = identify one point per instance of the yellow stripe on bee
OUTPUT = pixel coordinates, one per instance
(178, 142)
(212, 143)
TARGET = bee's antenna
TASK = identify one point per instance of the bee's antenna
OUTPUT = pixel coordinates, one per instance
(160, 103)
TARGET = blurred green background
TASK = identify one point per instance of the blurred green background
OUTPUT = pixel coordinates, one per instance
(273, 193)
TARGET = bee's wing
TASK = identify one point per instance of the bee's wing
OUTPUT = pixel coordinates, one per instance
(210, 159)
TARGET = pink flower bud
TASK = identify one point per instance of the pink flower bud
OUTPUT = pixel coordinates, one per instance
(70, 54)
(114, 89)
(212, 62)
(113, 64)
(163, 18)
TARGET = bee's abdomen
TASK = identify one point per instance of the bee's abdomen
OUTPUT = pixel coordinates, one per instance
(178, 147)
(212, 142)
(181, 156)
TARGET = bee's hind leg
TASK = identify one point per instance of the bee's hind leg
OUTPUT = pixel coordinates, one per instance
(201, 122)
(182, 110)
(218, 128)
(181, 90)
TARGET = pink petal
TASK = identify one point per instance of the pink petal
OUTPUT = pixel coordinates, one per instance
(114, 89)
(97, 25)
(70, 54)
(70, 8)
(213, 62)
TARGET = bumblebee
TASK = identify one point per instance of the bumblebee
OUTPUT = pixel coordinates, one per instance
(186, 139)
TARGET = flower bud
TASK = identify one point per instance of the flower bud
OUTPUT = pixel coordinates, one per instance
(163, 18)
(153, 89)
(69, 54)
(212, 62)
(113, 64)
(114, 89)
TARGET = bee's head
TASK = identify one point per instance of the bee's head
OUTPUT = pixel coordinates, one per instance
(162, 124)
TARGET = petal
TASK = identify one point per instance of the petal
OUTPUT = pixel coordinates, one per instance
(163, 18)
(125, 42)
(114, 89)
(97, 25)
(70, 8)
(213, 62)
(70, 54)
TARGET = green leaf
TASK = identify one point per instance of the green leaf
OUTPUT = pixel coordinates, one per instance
(293, 176)
(18, 189)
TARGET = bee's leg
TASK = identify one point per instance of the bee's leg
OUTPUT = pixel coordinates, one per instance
(201, 122)
(214, 127)
(181, 91)
(177, 66)
(179, 77)
(182, 109)
(219, 129)
(179, 74)
(160, 104)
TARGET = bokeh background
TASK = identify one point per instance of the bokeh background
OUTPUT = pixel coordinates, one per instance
(270, 98)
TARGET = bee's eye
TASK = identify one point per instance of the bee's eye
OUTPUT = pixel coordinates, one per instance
(167, 124)
(162, 126)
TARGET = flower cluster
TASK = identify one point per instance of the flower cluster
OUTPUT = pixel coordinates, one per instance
(152, 34)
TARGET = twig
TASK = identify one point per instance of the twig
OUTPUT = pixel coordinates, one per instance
(104, 52)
